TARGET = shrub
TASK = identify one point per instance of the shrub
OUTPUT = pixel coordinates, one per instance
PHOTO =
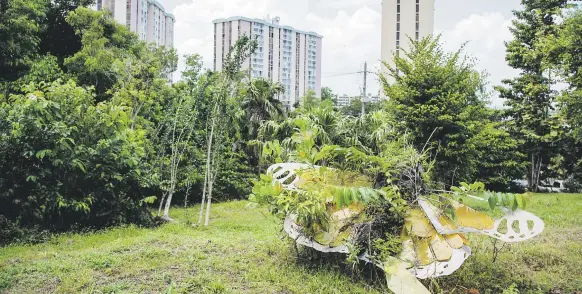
(573, 185)
(67, 162)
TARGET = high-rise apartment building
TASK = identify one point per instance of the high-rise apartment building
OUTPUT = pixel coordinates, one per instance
(147, 18)
(404, 19)
(284, 54)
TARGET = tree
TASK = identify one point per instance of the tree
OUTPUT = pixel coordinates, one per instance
(260, 104)
(106, 53)
(178, 131)
(327, 94)
(66, 161)
(529, 96)
(562, 54)
(498, 158)
(21, 24)
(355, 107)
(224, 115)
(59, 38)
(437, 99)
(308, 101)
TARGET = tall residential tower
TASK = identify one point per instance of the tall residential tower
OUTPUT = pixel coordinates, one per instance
(404, 19)
(146, 18)
(284, 54)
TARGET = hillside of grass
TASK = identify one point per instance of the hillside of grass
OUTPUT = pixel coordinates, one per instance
(243, 251)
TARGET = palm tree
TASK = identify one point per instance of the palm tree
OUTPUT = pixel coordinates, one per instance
(260, 104)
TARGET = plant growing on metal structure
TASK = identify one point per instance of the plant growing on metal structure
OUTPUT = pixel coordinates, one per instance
(331, 199)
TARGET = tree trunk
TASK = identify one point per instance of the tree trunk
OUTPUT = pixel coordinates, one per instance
(161, 204)
(538, 172)
(210, 185)
(207, 177)
(167, 208)
(532, 176)
(203, 196)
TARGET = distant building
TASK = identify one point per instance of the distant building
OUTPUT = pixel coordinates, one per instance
(404, 19)
(345, 100)
(146, 18)
(284, 54)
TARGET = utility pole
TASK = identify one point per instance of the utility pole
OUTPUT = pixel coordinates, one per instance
(364, 95)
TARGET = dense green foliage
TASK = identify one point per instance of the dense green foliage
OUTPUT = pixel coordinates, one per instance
(77, 89)
(91, 131)
(437, 99)
(529, 97)
(67, 161)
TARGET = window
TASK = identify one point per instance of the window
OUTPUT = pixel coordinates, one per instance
(398, 17)
(398, 27)
(398, 8)
(397, 36)
(417, 36)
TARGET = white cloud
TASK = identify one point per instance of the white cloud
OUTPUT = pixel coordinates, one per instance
(485, 35)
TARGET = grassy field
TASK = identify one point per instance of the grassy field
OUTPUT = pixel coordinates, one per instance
(243, 252)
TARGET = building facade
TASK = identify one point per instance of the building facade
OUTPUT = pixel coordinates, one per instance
(345, 100)
(146, 18)
(404, 19)
(284, 54)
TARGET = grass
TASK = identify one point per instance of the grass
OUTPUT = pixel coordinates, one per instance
(243, 252)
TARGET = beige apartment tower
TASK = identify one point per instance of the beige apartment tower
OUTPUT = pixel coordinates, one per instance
(146, 18)
(284, 54)
(403, 20)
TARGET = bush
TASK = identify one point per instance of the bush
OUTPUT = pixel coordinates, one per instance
(573, 185)
(67, 162)
(11, 232)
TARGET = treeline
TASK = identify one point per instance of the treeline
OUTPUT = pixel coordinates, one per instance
(92, 131)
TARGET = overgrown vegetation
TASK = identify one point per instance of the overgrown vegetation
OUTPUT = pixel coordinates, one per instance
(243, 253)
(92, 133)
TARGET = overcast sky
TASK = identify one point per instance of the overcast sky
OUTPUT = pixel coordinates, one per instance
(351, 31)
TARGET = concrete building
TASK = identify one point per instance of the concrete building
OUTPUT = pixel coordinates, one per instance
(345, 100)
(147, 18)
(404, 19)
(284, 54)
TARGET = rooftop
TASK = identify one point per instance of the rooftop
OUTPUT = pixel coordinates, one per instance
(266, 22)
(159, 5)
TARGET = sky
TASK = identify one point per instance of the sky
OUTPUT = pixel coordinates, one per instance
(351, 33)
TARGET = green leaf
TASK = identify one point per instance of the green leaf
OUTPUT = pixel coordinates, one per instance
(521, 203)
(148, 200)
(492, 202)
(79, 164)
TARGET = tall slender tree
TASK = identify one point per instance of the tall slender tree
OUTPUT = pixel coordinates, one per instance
(529, 97)
(225, 110)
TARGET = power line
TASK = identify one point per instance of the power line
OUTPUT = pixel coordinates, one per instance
(344, 74)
